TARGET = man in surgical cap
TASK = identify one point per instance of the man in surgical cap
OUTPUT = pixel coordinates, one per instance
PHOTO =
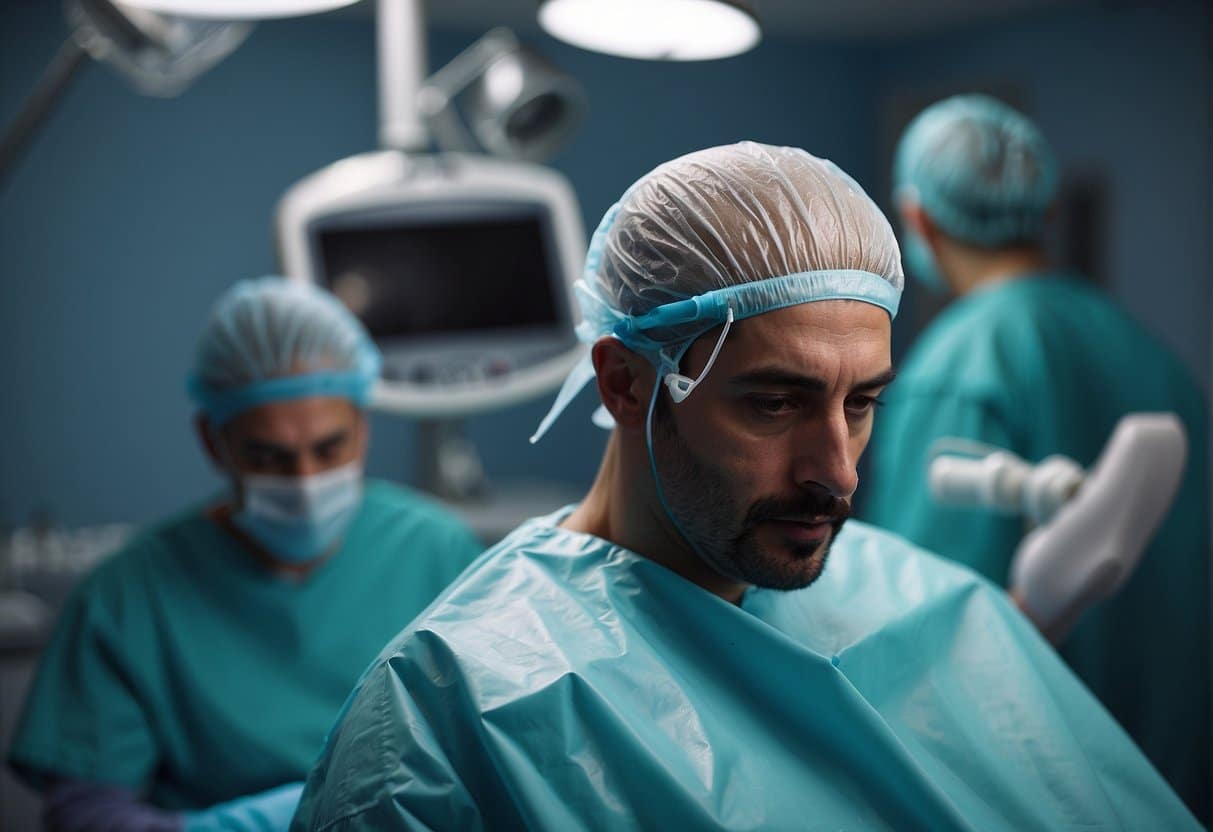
(193, 675)
(703, 642)
(1040, 363)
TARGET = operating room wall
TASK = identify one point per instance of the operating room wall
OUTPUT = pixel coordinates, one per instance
(1123, 92)
(128, 216)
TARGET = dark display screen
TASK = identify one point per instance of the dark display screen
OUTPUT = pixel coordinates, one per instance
(428, 278)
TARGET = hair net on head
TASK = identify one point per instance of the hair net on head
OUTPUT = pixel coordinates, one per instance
(724, 234)
(271, 339)
(981, 170)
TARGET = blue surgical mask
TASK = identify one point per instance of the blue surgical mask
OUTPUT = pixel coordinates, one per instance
(920, 262)
(300, 518)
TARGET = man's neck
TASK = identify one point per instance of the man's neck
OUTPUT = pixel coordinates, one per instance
(622, 507)
(969, 268)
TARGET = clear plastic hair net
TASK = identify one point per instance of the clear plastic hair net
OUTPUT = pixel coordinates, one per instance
(271, 339)
(729, 231)
(979, 169)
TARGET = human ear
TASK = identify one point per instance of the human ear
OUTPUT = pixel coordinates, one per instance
(625, 382)
(916, 219)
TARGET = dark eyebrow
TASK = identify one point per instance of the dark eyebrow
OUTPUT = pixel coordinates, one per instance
(881, 380)
(783, 378)
(266, 447)
(334, 438)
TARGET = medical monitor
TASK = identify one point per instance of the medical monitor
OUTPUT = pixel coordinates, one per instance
(461, 268)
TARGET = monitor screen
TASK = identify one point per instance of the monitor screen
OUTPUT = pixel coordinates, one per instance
(425, 277)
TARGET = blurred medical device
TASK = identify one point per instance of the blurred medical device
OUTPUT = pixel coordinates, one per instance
(157, 54)
(39, 565)
(1091, 526)
(159, 47)
(460, 266)
(451, 244)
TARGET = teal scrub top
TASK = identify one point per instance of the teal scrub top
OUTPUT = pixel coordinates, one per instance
(1047, 365)
(564, 682)
(184, 670)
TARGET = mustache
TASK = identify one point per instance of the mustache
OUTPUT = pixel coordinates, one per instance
(815, 503)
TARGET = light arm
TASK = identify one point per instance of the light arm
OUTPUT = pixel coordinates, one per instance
(1094, 527)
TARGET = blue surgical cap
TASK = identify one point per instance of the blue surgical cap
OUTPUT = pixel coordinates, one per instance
(272, 339)
(980, 170)
(731, 231)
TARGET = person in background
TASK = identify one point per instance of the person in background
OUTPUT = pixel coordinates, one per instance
(704, 642)
(193, 675)
(1040, 362)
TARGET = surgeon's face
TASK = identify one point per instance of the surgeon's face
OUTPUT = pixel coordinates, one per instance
(295, 438)
(758, 464)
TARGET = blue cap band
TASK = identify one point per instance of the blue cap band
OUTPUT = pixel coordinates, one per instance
(711, 308)
(220, 406)
(757, 298)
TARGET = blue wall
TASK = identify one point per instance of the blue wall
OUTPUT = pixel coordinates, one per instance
(129, 215)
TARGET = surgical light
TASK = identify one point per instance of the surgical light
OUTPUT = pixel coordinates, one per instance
(238, 9)
(158, 54)
(672, 30)
(158, 46)
(517, 104)
(1092, 527)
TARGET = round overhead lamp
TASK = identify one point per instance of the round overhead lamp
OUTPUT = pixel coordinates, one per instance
(238, 9)
(669, 30)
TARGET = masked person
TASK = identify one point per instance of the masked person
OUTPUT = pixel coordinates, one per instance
(702, 643)
(1041, 363)
(193, 675)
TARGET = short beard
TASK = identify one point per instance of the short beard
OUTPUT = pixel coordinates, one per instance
(711, 520)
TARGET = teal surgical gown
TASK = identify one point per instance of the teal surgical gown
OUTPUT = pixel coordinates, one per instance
(1047, 365)
(565, 683)
(182, 669)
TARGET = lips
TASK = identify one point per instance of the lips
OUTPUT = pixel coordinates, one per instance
(802, 531)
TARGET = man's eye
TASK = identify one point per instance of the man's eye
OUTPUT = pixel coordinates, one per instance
(329, 451)
(260, 459)
(862, 405)
(771, 405)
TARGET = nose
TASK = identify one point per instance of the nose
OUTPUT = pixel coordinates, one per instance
(825, 458)
(305, 465)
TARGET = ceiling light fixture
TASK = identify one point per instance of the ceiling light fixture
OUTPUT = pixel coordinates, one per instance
(669, 30)
(238, 9)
